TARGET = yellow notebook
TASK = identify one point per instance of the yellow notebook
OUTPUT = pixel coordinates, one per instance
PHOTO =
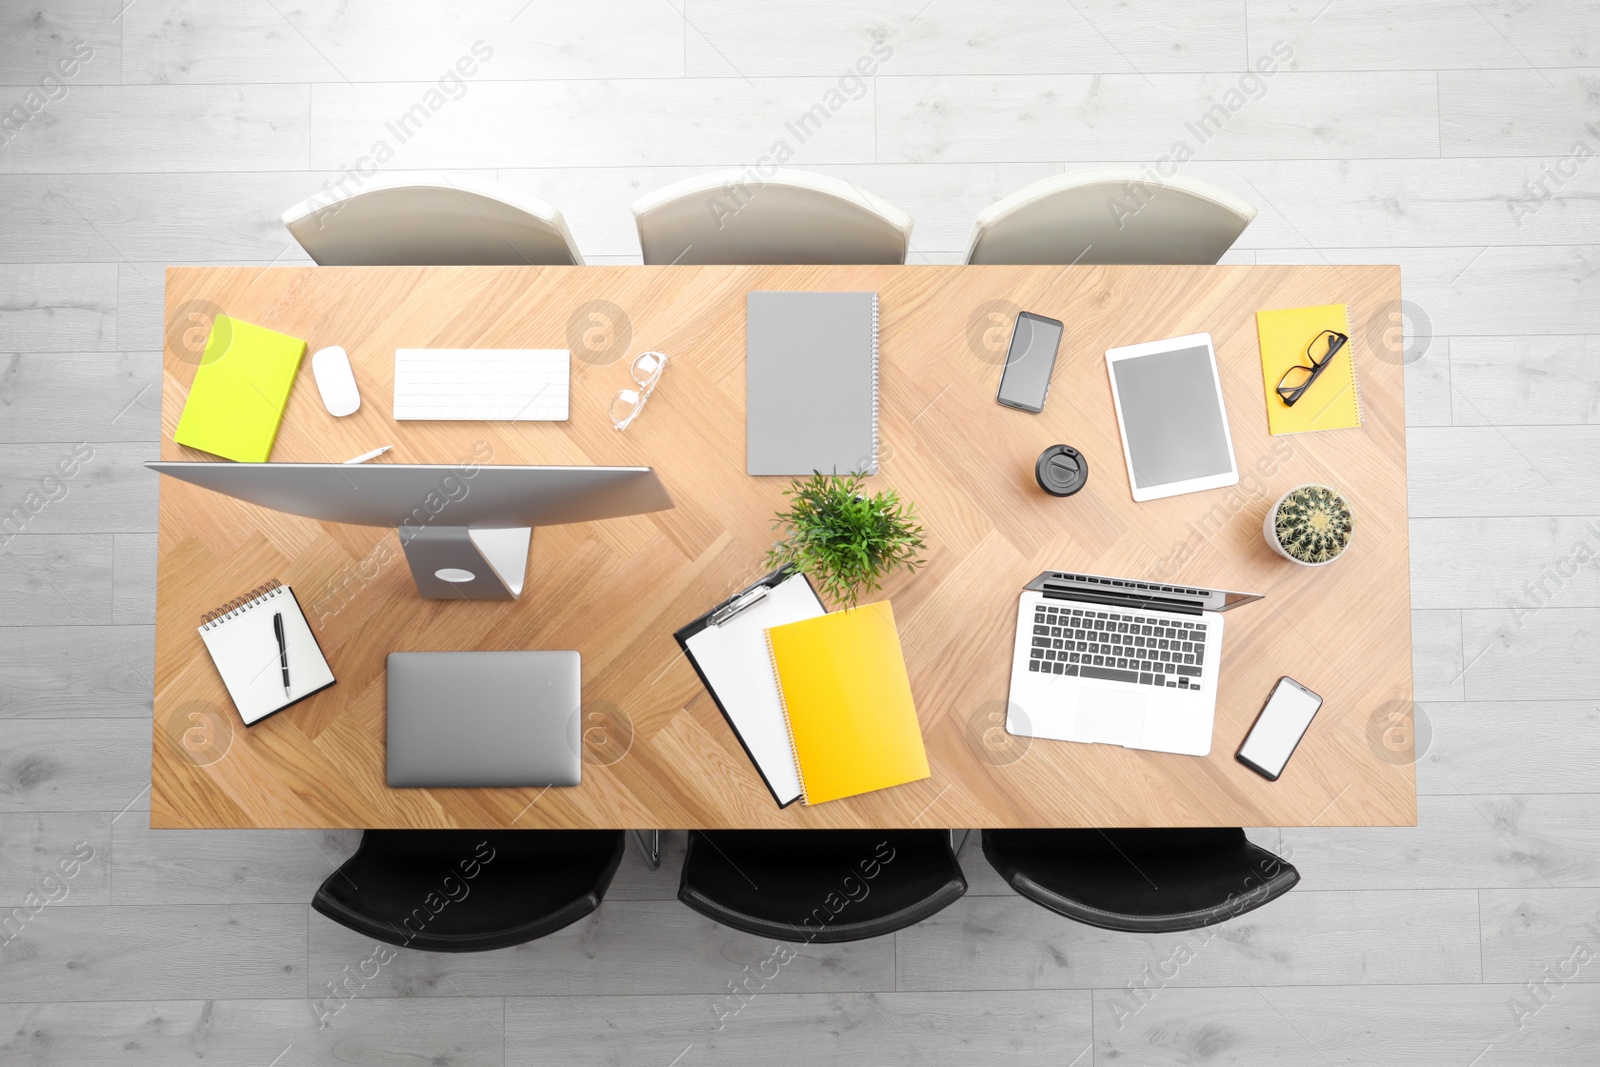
(1334, 400)
(239, 391)
(848, 701)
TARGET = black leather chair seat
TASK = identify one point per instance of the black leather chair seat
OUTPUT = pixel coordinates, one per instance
(1143, 881)
(470, 890)
(820, 885)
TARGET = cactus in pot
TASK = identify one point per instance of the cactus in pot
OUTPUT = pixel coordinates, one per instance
(1310, 525)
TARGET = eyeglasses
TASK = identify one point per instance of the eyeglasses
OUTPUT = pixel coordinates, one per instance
(646, 371)
(1297, 379)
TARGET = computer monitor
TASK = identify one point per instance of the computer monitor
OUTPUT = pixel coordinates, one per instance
(465, 529)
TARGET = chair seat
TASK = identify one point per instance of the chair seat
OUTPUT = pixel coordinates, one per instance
(820, 885)
(470, 890)
(1154, 880)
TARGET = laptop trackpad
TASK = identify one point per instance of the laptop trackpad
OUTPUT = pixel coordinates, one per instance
(1111, 715)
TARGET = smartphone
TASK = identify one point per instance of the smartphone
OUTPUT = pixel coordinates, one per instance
(1030, 360)
(1279, 728)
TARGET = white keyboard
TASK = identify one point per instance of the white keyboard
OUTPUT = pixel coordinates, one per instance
(482, 384)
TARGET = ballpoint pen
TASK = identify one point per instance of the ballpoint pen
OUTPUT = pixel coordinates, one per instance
(283, 649)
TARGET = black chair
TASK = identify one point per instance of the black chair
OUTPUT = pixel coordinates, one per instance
(1141, 881)
(820, 886)
(470, 890)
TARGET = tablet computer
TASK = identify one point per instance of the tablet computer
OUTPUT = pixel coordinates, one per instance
(1174, 425)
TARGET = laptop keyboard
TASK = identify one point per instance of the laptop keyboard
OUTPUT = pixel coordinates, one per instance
(1118, 646)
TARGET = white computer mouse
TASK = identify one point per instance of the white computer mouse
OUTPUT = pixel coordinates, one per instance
(335, 381)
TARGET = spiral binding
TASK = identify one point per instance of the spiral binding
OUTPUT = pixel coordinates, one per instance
(789, 726)
(875, 384)
(1355, 381)
(239, 605)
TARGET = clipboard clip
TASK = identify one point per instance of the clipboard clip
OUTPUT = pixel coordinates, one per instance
(749, 598)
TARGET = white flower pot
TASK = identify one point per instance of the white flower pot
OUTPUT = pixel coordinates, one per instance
(1270, 534)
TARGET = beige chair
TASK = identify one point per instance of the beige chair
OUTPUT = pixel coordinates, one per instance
(1111, 215)
(789, 217)
(451, 222)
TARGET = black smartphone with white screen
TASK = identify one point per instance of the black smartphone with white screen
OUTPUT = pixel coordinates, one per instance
(1030, 360)
(1279, 728)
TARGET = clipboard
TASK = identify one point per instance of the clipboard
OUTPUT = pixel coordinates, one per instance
(727, 647)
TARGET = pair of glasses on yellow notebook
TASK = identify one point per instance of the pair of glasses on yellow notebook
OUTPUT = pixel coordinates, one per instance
(1298, 378)
(646, 371)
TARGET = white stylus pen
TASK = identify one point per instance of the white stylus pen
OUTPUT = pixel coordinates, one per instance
(374, 454)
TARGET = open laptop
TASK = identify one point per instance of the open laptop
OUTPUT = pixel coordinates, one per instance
(1118, 661)
(462, 720)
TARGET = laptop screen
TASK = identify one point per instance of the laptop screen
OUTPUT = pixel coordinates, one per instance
(1155, 596)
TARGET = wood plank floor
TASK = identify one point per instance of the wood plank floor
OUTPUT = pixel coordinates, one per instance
(1456, 138)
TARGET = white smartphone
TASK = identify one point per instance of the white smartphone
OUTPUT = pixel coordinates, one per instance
(1279, 728)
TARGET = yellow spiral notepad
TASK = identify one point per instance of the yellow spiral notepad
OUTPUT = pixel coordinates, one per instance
(1334, 400)
(844, 689)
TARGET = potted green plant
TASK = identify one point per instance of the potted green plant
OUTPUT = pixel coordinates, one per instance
(1310, 525)
(844, 540)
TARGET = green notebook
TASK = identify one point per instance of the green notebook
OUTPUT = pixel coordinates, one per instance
(239, 391)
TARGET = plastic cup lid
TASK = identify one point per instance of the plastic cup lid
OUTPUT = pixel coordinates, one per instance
(1061, 470)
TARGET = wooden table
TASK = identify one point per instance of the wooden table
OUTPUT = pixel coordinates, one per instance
(657, 753)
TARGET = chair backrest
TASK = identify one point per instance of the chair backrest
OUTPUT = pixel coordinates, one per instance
(470, 890)
(789, 216)
(1110, 215)
(790, 885)
(1157, 880)
(453, 222)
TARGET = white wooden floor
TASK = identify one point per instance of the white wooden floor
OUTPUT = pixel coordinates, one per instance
(1410, 133)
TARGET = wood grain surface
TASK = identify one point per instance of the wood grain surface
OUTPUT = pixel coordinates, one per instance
(657, 753)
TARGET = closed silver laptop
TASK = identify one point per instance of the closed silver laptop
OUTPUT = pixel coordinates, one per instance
(465, 720)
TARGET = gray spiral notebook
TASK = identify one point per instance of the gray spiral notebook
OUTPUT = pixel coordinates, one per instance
(811, 385)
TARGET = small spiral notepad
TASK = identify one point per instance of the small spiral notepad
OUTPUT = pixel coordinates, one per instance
(1334, 401)
(244, 646)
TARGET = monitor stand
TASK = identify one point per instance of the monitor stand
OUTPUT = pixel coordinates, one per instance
(460, 563)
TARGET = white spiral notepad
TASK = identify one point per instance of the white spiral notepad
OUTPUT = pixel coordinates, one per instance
(244, 646)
